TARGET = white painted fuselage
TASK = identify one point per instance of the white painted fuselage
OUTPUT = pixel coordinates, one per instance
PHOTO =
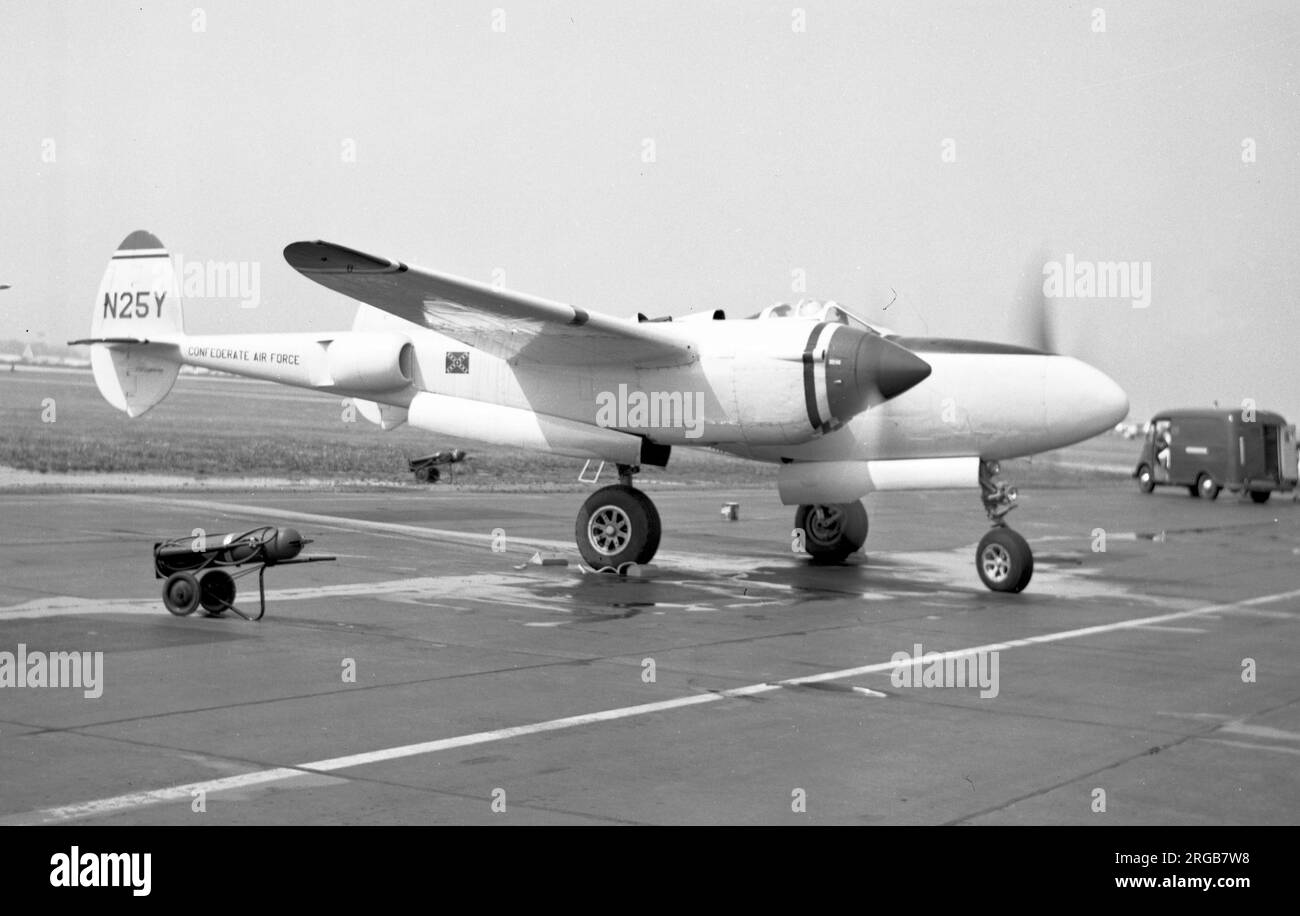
(748, 382)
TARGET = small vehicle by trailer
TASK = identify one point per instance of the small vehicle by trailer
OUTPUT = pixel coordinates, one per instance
(1206, 451)
(426, 469)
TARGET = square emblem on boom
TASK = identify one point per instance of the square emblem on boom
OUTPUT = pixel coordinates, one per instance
(458, 363)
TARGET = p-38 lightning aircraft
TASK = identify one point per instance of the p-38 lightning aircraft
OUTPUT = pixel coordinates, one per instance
(842, 406)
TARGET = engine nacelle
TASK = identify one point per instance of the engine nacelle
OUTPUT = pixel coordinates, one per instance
(368, 361)
(822, 482)
(825, 375)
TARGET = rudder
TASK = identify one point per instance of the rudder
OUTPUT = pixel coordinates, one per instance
(137, 326)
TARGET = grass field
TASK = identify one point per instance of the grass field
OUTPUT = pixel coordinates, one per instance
(226, 427)
(55, 422)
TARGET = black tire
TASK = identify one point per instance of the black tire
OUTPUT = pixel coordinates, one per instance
(1208, 487)
(181, 593)
(616, 525)
(1004, 561)
(832, 533)
(216, 591)
(1146, 479)
(1193, 491)
(1260, 496)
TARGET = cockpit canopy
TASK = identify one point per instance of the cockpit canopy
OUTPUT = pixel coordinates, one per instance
(818, 310)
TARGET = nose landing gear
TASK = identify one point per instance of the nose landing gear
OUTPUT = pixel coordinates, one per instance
(1003, 558)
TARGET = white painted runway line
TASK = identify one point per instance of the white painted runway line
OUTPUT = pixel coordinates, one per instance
(339, 521)
(118, 804)
(1254, 747)
(481, 583)
(512, 543)
(936, 567)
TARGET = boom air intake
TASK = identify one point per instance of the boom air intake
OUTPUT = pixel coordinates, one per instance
(136, 324)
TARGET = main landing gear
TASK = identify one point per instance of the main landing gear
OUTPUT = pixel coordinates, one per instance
(618, 525)
(831, 533)
(1003, 558)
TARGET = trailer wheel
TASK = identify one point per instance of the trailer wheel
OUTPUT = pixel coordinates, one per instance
(1146, 480)
(1208, 487)
(1260, 496)
(216, 591)
(181, 593)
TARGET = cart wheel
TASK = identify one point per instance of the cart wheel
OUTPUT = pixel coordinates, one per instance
(216, 591)
(1260, 496)
(1192, 489)
(181, 593)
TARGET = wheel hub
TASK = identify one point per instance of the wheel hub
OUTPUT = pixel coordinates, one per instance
(997, 562)
(609, 530)
(825, 524)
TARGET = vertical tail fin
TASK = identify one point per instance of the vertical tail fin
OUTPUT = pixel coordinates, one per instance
(136, 326)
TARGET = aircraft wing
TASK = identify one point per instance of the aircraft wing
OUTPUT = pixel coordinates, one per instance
(508, 325)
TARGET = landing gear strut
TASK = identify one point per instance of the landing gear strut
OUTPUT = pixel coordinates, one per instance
(1003, 558)
(618, 525)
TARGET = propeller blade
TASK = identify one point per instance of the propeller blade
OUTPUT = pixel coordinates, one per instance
(1032, 319)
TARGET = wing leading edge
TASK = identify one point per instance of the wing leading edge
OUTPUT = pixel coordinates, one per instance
(508, 325)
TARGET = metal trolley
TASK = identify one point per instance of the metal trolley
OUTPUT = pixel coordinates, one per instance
(201, 571)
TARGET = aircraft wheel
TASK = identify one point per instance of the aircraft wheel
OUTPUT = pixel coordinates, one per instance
(181, 593)
(1146, 480)
(1004, 560)
(216, 591)
(617, 524)
(1260, 496)
(831, 533)
(1207, 487)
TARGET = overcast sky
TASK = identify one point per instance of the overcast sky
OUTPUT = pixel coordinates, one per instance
(513, 137)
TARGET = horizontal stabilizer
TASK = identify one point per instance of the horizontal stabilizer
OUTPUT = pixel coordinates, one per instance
(106, 340)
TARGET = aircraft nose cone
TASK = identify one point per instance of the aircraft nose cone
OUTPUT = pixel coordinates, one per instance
(1081, 401)
(1112, 400)
(865, 369)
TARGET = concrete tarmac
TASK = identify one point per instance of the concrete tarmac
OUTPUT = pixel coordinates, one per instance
(431, 675)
